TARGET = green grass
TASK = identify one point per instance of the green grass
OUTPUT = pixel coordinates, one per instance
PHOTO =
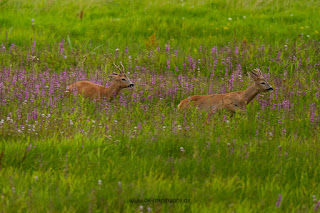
(213, 178)
(60, 154)
(107, 25)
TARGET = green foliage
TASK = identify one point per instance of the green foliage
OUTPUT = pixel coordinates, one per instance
(187, 24)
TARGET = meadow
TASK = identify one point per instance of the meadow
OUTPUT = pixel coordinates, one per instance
(138, 153)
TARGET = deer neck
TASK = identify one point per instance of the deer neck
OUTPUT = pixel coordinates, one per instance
(112, 91)
(249, 94)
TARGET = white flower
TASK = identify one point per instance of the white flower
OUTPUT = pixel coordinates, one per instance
(100, 182)
(291, 14)
(35, 177)
(229, 19)
(308, 36)
(244, 17)
(182, 149)
(93, 121)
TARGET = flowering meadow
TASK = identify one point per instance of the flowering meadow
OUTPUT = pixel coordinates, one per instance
(138, 153)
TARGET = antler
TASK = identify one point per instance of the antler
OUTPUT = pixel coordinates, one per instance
(117, 67)
(122, 67)
(258, 71)
(121, 71)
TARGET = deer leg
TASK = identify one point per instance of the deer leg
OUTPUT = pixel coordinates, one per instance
(208, 118)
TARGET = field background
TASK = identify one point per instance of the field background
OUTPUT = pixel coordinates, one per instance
(60, 154)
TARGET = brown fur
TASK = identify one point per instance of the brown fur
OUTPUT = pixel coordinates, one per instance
(232, 101)
(211, 103)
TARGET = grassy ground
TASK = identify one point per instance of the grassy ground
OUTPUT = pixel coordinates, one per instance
(69, 154)
(107, 25)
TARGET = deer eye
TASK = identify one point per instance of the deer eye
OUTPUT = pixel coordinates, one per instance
(123, 79)
(236, 105)
(263, 83)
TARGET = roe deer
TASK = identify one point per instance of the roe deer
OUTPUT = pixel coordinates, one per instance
(232, 101)
(98, 92)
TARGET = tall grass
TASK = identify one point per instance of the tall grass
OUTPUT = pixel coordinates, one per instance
(72, 154)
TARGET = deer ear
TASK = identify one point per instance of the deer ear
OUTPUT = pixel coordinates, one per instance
(112, 75)
(253, 75)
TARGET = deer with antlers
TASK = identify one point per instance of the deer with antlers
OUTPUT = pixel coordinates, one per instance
(233, 101)
(98, 92)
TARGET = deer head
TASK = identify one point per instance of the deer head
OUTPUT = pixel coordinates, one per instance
(260, 82)
(121, 79)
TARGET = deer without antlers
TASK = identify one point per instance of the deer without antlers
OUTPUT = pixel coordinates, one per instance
(98, 92)
(233, 101)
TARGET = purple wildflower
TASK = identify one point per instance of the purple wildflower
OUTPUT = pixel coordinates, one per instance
(317, 206)
(11, 47)
(61, 49)
(167, 47)
(278, 203)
